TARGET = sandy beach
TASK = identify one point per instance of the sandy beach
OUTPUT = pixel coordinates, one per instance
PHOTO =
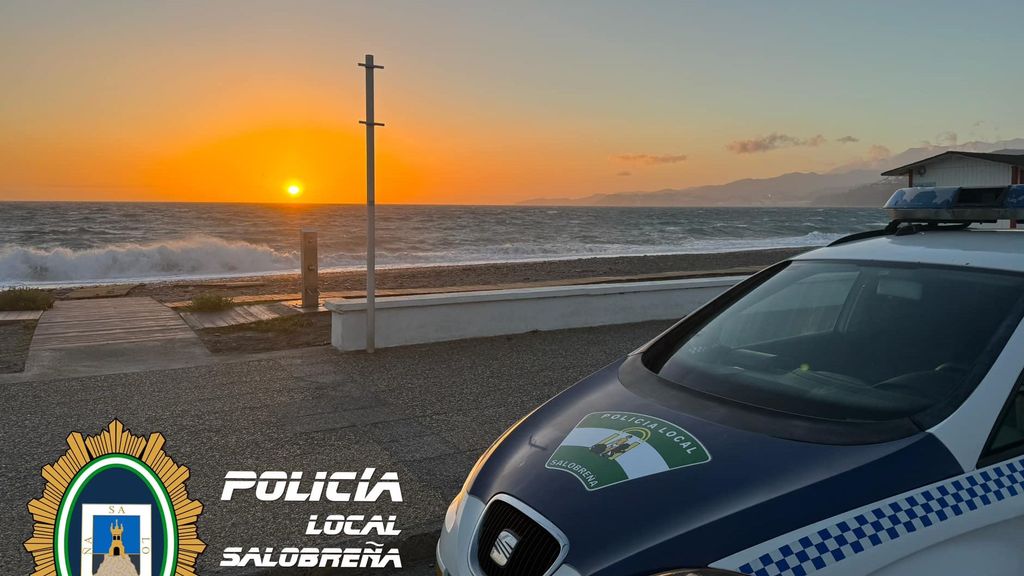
(439, 277)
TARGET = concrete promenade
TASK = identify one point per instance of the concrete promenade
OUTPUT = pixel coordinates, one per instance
(423, 411)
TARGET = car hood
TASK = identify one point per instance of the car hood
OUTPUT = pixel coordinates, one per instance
(694, 491)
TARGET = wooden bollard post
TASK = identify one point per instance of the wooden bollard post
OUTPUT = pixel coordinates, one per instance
(310, 270)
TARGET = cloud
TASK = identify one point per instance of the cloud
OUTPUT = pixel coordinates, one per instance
(624, 173)
(847, 139)
(772, 141)
(976, 131)
(878, 152)
(652, 159)
(946, 139)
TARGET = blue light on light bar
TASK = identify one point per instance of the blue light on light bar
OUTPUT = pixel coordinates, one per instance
(935, 197)
(1015, 196)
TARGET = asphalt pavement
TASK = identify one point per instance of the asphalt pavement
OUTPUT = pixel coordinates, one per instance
(425, 412)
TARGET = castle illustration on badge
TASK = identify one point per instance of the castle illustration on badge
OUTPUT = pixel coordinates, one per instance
(115, 504)
(607, 448)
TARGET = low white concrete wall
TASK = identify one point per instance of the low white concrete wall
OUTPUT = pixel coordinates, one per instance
(405, 320)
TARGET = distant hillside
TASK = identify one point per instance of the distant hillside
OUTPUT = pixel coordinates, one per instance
(793, 189)
(870, 195)
(911, 155)
(853, 184)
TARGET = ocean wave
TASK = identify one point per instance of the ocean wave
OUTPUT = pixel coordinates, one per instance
(212, 257)
(189, 257)
(575, 249)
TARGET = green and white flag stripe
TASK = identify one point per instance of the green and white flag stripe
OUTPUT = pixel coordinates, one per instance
(606, 448)
(640, 461)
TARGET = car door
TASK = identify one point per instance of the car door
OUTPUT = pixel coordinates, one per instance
(978, 517)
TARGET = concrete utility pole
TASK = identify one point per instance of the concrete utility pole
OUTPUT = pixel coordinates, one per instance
(371, 249)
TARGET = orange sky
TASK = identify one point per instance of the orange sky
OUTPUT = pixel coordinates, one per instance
(235, 100)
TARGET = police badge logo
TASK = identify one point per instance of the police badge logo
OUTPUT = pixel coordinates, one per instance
(115, 505)
(607, 448)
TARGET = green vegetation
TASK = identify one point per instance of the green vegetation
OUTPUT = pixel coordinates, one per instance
(284, 324)
(295, 331)
(210, 303)
(14, 299)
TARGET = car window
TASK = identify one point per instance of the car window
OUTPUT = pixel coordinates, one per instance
(1008, 435)
(848, 340)
(810, 305)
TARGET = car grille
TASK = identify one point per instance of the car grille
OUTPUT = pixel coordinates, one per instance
(533, 555)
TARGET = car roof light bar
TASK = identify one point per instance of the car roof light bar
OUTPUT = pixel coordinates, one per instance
(957, 204)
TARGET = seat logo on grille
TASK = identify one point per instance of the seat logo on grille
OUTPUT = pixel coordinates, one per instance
(503, 547)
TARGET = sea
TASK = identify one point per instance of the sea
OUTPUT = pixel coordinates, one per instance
(63, 243)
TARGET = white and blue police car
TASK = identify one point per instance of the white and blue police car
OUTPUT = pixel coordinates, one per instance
(856, 409)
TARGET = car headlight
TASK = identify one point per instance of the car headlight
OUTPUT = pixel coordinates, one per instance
(453, 511)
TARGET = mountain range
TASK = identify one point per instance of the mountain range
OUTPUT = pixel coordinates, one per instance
(853, 184)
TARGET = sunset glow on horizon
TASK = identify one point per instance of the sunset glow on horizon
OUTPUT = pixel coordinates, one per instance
(189, 102)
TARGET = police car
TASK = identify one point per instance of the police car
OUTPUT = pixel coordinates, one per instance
(853, 410)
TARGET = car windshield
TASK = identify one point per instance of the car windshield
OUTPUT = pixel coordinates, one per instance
(849, 341)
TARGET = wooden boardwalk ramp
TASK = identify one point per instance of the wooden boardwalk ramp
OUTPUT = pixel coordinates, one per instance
(107, 335)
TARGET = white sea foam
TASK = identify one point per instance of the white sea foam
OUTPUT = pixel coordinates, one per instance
(212, 257)
(50, 244)
(189, 257)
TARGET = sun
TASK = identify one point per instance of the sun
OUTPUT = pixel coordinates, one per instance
(294, 190)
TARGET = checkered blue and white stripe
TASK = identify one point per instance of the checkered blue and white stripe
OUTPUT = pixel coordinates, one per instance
(891, 520)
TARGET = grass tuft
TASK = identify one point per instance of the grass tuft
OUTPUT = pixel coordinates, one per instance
(284, 324)
(210, 303)
(16, 299)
